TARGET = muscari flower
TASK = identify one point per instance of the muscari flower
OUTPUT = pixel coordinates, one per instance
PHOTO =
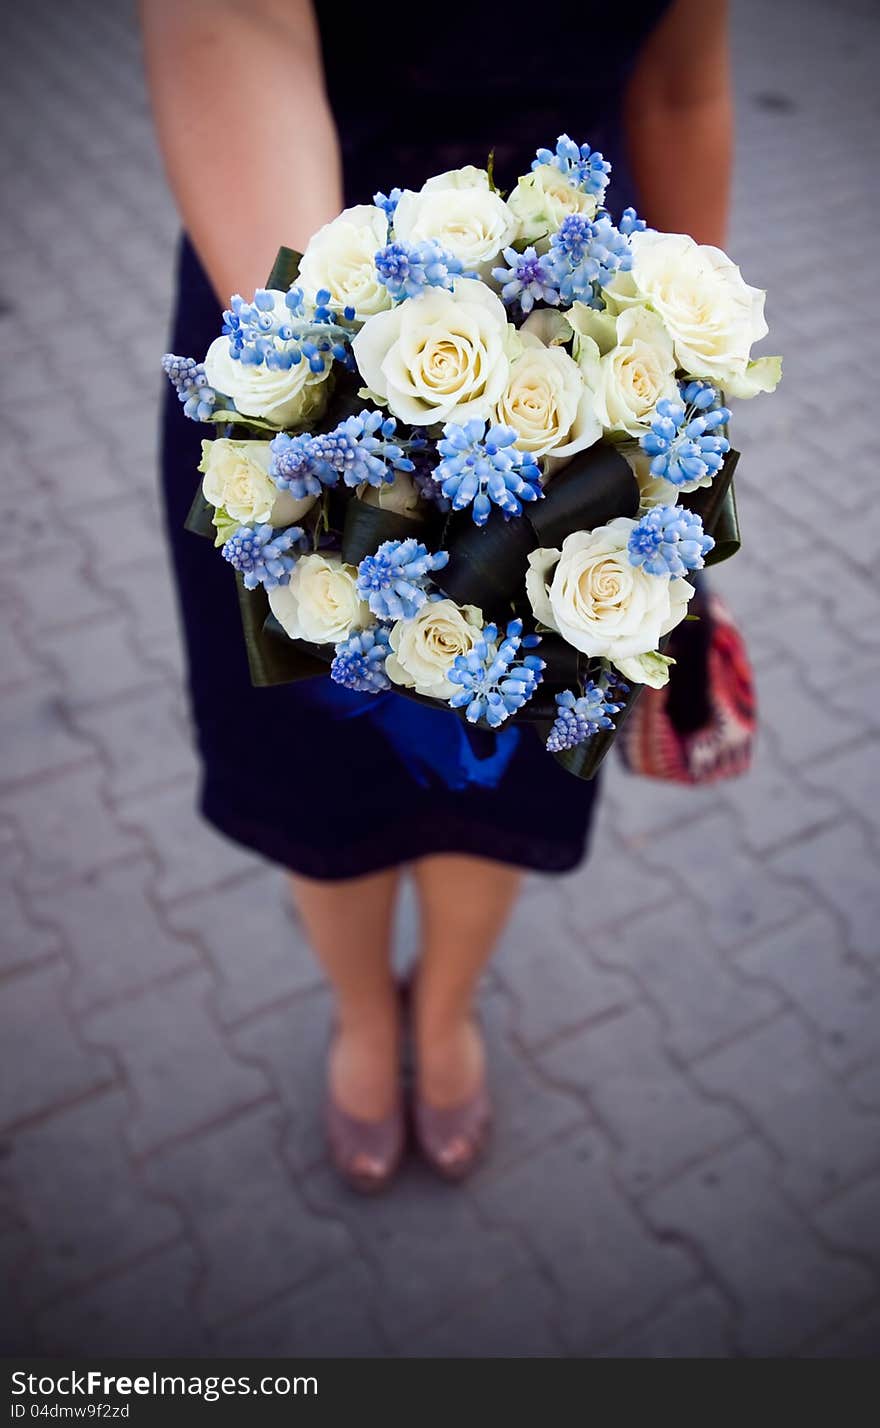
(585, 255)
(481, 468)
(584, 167)
(359, 450)
(529, 278)
(393, 580)
(578, 718)
(629, 222)
(682, 439)
(359, 663)
(492, 682)
(388, 202)
(283, 335)
(191, 384)
(669, 540)
(407, 269)
(260, 554)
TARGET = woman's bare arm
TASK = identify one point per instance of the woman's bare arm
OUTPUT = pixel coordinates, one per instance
(245, 129)
(679, 122)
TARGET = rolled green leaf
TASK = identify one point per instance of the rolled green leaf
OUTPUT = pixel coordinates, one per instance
(272, 657)
(487, 563)
(596, 486)
(366, 527)
(285, 269)
(716, 507)
(201, 516)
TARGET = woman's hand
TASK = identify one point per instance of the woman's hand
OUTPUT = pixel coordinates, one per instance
(245, 129)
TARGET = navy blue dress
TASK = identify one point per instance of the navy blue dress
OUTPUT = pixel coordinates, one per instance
(334, 784)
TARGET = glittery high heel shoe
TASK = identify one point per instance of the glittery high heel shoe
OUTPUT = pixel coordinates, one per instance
(366, 1154)
(452, 1138)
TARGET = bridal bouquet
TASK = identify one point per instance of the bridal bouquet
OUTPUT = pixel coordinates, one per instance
(474, 447)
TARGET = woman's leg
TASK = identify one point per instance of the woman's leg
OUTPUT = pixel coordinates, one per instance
(349, 925)
(465, 903)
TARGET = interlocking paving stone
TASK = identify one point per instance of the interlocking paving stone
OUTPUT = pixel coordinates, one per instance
(555, 988)
(840, 864)
(93, 1216)
(116, 941)
(841, 1000)
(67, 830)
(45, 1063)
(702, 999)
(144, 744)
(514, 1320)
(143, 1311)
(786, 1285)
(191, 862)
(608, 1269)
(35, 736)
(851, 1218)
(255, 1236)
(659, 1121)
(278, 962)
(699, 1325)
(333, 1317)
(180, 1070)
(799, 1107)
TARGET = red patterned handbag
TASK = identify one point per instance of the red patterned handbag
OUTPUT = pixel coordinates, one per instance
(701, 727)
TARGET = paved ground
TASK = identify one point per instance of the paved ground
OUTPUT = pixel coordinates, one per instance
(685, 1035)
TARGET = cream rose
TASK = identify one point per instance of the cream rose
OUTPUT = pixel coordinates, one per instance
(637, 374)
(547, 402)
(236, 478)
(461, 212)
(340, 258)
(320, 603)
(423, 649)
(284, 398)
(400, 495)
(711, 314)
(543, 198)
(439, 356)
(592, 595)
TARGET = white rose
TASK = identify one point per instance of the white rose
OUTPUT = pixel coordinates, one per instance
(341, 259)
(425, 647)
(438, 356)
(547, 402)
(461, 212)
(711, 314)
(543, 198)
(320, 603)
(592, 595)
(636, 367)
(237, 478)
(284, 398)
(400, 495)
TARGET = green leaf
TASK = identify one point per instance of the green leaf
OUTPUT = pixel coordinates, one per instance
(224, 526)
(285, 269)
(201, 516)
(366, 527)
(273, 657)
(716, 507)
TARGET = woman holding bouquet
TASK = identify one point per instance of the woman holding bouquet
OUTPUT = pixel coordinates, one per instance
(271, 114)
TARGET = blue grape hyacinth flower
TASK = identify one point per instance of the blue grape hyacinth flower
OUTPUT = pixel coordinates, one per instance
(493, 681)
(579, 717)
(528, 279)
(481, 468)
(669, 540)
(393, 580)
(359, 663)
(585, 168)
(190, 381)
(684, 442)
(406, 270)
(260, 555)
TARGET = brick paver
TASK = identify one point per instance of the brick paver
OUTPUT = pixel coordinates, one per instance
(685, 1035)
